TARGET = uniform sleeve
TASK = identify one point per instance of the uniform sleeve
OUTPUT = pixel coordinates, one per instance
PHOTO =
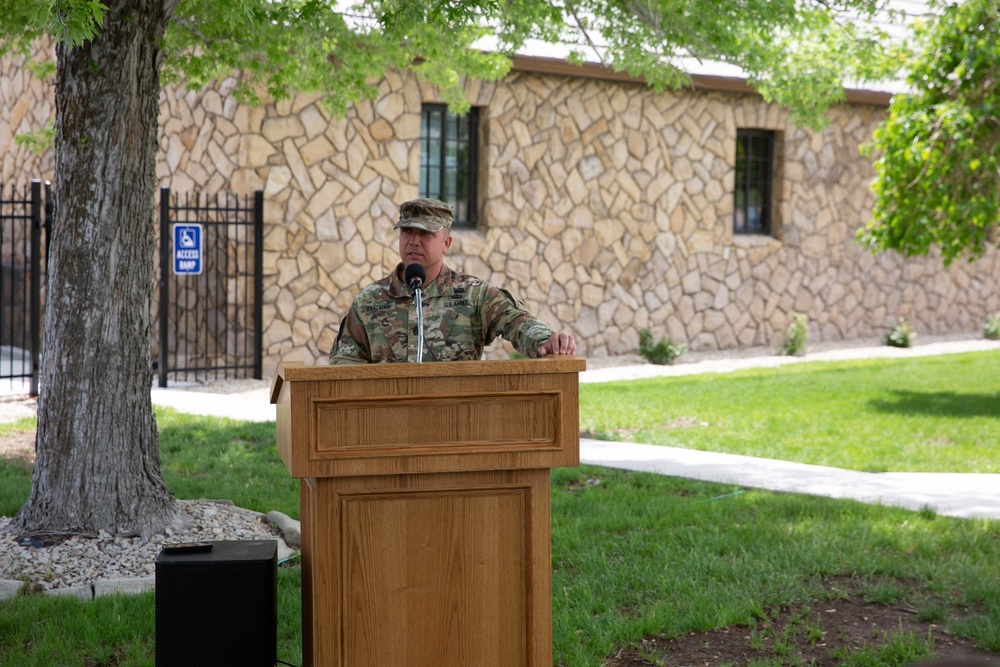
(505, 316)
(352, 346)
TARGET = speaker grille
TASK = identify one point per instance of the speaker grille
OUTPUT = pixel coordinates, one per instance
(218, 607)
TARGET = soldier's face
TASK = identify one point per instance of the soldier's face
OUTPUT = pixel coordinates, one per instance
(427, 249)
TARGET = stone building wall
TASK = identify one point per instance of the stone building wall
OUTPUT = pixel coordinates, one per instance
(606, 207)
(26, 105)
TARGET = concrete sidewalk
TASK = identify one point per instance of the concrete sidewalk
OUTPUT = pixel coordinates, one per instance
(953, 494)
(250, 406)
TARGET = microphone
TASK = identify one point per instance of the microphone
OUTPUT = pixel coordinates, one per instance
(415, 277)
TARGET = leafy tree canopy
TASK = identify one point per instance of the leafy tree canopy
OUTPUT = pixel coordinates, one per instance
(795, 52)
(938, 175)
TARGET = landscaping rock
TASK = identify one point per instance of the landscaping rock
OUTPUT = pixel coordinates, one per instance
(9, 588)
(127, 586)
(289, 527)
(284, 551)
(83, 561)
(81, 592)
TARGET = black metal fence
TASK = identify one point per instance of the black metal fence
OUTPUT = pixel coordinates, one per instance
(213, 323)
(210, 311)
(22, 225)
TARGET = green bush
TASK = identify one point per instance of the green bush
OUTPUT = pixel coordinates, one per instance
(901, 335)
(793, 343)
(991, 330)
(663, 353)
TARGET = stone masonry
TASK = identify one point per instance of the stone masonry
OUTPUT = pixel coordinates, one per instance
(606, 207)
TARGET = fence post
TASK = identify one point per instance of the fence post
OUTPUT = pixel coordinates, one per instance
(258, 284)
(164, 283)
(50, 214)
(36, 288)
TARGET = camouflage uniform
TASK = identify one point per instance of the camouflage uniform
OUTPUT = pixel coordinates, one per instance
(462, 315)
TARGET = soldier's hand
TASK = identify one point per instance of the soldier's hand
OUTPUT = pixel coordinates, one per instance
(558, 343)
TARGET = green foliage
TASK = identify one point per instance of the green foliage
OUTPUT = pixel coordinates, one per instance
(37, 142)
(901, 335)
(72, 21)
(41, 69)
(937, 179)
(662, 353)
(991, 328)
(308, 45)
(797, 54)
(793, 342)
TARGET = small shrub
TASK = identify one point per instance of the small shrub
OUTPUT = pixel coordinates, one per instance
(991, 330)
(901, 335)
(793, 343)
(663, 353)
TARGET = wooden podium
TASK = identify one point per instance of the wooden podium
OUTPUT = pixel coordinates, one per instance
(425, 507)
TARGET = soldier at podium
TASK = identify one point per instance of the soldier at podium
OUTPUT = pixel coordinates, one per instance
(462, 313)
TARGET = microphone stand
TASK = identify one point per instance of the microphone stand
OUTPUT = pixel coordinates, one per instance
(415, 277)
(418, 298)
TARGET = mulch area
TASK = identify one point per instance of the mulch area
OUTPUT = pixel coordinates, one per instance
(814, 636)
(18, 447)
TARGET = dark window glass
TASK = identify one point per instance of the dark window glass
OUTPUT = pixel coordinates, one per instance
(754, 160)
(448, 160)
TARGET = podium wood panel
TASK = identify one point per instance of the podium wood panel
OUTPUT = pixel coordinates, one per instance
(425, 507)
(384, 419)
(428, 570)
(432, 422)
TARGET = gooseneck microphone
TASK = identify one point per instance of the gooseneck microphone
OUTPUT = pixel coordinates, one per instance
(415, 277)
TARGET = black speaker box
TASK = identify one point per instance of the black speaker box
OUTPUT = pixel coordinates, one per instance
(218, 607)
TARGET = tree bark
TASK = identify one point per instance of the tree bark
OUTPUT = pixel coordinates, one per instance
(97, 450)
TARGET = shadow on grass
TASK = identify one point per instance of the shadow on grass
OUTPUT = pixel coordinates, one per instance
(939, 404)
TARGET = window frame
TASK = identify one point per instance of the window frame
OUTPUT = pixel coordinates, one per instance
(470, 171)
(743, 182)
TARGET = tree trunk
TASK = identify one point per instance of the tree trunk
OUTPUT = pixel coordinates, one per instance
(97, 451)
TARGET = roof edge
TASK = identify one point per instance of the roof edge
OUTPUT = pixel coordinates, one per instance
(706, 82)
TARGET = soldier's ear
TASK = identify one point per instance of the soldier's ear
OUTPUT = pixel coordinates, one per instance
(447, 242)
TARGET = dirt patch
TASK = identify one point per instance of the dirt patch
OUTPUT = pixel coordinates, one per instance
(576, 486)
(818, 635)
(683, 422)
(18, 447)
(627, 434)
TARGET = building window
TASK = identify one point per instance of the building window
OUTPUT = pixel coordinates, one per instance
(754, 171)
(448, 161)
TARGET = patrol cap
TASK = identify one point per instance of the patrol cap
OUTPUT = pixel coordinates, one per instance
(431, 215)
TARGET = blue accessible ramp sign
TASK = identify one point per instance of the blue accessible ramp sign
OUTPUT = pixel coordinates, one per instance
(187, 249)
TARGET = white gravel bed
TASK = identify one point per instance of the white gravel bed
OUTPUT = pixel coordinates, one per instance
(17, 406)
(81, 561)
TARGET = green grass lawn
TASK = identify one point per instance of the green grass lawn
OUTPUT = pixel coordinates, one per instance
(930, 414)
(201, 457)
(633, 554)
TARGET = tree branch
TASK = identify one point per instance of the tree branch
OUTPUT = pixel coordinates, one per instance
(586, 35)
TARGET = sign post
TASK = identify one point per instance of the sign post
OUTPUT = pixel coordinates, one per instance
(187, 249)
